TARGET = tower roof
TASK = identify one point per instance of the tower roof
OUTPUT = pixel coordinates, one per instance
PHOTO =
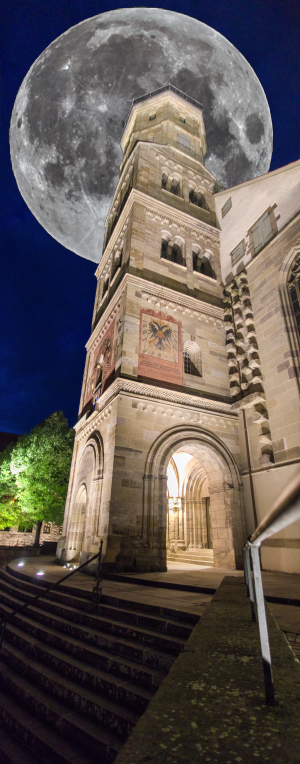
(168, 86)
(157, 91)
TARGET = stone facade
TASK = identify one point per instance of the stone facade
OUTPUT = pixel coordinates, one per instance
(266, 343)
(162, 380)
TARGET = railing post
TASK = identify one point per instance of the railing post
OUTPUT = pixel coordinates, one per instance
(263, 626)
(248, 579)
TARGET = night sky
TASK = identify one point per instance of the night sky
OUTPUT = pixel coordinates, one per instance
(47, 292)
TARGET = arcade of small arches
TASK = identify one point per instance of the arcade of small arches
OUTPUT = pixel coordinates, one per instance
(172, 249)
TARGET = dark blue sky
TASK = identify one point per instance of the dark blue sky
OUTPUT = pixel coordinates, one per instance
(47, 292)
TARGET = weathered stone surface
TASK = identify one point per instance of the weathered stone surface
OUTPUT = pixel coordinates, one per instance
(211, 707)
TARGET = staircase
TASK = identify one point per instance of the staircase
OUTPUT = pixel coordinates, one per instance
(193, 557)
(75, 677)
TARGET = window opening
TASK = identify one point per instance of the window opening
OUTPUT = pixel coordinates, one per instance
(187, 361)
(262, 232)
(201, 264)
(175, 186)
(226, 207)
(197, 198)
(164, 180)
(237, 252)
(46, 528)
(294, 290)
(152, 116)
(172, 251)
(192, 360)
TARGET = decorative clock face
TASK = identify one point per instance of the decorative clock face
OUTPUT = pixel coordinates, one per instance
(100, 367)
(159, 338)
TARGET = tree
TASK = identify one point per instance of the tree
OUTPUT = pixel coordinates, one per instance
(40, 466)
(9, 505)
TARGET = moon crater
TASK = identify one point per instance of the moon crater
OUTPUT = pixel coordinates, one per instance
(69, 113)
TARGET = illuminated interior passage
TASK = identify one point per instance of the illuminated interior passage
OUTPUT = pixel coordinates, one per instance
(188, 518)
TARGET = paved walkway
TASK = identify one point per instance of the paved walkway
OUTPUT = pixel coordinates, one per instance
(283, 585)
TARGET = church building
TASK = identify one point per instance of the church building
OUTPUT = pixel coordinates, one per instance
(189, 419)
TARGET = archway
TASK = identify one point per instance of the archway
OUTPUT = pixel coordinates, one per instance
(211, 469)
(81, 539)
(77, 524)
(188, 532)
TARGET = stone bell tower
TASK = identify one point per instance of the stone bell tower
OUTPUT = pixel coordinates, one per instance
(156, 375)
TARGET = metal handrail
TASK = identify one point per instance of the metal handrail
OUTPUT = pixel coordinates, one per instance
(96, 593)
(285, 511)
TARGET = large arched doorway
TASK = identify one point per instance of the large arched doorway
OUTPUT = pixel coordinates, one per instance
(210, 504)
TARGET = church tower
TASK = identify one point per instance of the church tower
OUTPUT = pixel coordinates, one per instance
(156, 457)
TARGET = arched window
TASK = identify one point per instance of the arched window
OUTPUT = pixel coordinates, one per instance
(164, 180)
(293, 285)
(192, 359)
(198, 198)
(203, 264)
(172, 251)
(171, 183)
(175, 186)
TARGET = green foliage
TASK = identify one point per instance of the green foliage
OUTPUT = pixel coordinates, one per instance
(34, 474)
(9, 505)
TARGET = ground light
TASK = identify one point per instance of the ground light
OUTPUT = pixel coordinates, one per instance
(40, 573)
(20, 564)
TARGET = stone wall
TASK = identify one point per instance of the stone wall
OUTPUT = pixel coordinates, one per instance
(16, 538)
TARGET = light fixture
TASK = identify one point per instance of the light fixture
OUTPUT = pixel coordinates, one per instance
(40, 573)
(20, 564)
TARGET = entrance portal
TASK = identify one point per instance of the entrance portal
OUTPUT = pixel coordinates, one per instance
(188, 510)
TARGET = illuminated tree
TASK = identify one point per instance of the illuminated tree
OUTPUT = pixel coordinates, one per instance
(39, 473)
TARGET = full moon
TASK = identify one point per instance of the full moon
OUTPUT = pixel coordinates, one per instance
(70, 110)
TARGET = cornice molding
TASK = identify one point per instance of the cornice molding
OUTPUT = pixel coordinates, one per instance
(164, 294)
(131, 387)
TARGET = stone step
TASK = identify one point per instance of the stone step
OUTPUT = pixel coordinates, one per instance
(109, 714)
(149, 656)
(119, 666)
(113, 612)
(118, 689)
(12, 752)
(71, 670)
(137, 633)
(83, 732)
(189, 559)
(35, 735)
(79, 596)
